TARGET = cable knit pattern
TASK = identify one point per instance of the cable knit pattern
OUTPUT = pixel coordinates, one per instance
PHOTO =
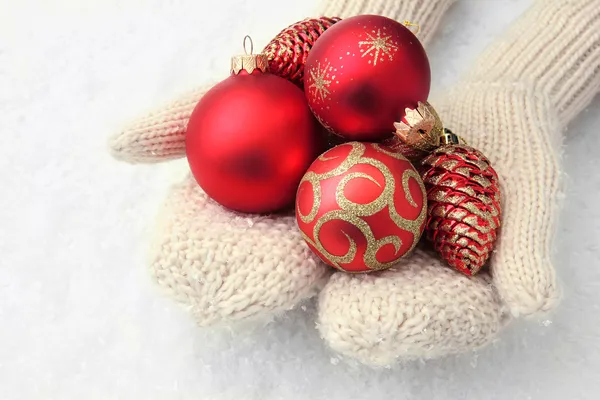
(158, 136)
(227, 266)
(512, 106)
(418, 309)
(426, 13)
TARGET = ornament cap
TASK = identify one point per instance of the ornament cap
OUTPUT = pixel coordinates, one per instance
(410, 25)
(249, 62)
(421, 128)
(448, 137)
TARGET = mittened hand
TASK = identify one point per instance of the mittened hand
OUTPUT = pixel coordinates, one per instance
(513, 107)
(225, 266)
(518, 100)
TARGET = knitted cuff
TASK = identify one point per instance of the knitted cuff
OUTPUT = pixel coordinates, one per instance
(555, 47)
(158, 136)
(426, 13)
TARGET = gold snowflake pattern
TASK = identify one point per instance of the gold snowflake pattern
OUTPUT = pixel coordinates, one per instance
(378, 45)
(320, 82)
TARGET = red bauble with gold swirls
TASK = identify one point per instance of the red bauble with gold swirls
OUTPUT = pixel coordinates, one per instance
(361, 207)
(362, 73)
(251, 138)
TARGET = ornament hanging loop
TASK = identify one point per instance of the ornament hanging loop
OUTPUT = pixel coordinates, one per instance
(448, 137)
(249, 61)
(247, 37)
(409, 24)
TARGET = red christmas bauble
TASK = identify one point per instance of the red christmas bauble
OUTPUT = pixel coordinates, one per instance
(251, 138)
(361, 207)
(362, 73)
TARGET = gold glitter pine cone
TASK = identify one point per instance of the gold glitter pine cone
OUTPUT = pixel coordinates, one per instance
(464, 213)
(288, 51)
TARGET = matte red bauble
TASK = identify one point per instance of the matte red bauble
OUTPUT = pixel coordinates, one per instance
(362, 73)
(251, 138)
(361, 207)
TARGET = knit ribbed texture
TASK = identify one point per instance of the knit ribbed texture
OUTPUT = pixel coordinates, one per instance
(554, 48)
(158, 136)
(227, 266)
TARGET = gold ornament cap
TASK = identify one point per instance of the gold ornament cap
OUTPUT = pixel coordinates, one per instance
(421, 128)
(249, 62)
(449, 138)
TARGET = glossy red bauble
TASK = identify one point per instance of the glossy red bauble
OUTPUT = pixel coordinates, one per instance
(361, 207)
(362, 73)
(249, 141)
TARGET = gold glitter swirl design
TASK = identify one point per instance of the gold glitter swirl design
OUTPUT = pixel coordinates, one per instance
(352, 213)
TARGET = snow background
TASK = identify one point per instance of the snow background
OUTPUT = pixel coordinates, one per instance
(79, 316)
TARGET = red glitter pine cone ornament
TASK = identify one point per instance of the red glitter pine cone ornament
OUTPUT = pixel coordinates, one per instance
(288, 51)
(464, 206)
(463, 192)
(361, 207)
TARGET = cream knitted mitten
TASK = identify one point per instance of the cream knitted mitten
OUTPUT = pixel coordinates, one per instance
(228, 266)
(223, 265)
(513, 106)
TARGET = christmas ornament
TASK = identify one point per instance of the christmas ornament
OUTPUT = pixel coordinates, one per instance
(288, 51)
(251, 138)
(362, 73)
(417, 133)
(463, 192)
(361, 207)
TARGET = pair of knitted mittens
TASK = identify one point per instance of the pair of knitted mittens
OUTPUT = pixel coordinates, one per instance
(513, 105)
